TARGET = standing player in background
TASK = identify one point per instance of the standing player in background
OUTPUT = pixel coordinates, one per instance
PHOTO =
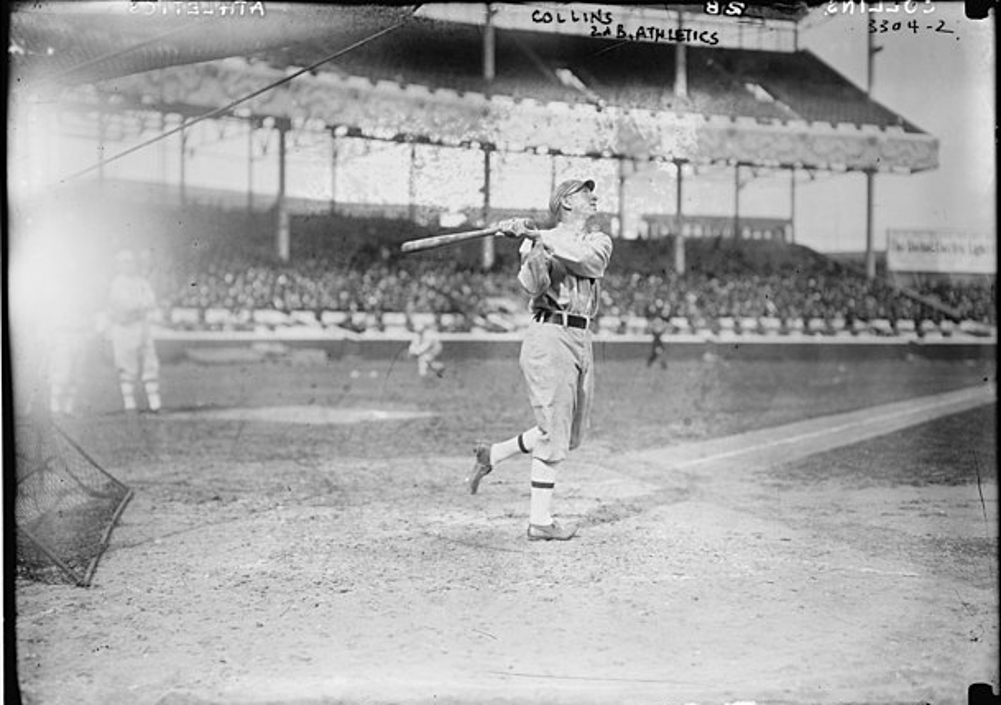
(132, 302)
(426, 347)
(71, 323)
(561, 270)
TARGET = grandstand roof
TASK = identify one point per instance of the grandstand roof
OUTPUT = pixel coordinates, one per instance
(85, 42)
(768, 85)
(569, 93)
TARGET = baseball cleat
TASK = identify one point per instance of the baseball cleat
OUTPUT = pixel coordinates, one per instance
(552, 532)
(482, 468)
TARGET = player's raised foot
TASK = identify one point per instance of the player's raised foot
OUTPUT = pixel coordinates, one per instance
(481, 468)
(552, 532)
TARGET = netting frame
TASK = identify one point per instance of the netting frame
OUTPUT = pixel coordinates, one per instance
(84, 577)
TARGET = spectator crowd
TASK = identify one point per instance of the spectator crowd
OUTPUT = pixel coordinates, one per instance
(442, 287)
(353, 265)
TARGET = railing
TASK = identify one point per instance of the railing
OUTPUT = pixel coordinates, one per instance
(399, 323)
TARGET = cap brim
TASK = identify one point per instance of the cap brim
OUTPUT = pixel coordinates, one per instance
(586, 184)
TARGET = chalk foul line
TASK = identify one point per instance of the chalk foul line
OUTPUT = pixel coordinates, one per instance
(920, 410)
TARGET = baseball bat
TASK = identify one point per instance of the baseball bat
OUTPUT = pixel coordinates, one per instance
(429, 243)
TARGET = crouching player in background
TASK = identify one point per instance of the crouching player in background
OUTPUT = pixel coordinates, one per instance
(426, 347)
(561, 270)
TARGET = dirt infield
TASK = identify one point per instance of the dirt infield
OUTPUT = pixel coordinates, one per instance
(787, 546)
(309, 415)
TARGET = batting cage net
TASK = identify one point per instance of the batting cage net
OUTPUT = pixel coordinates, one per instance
(66, 506)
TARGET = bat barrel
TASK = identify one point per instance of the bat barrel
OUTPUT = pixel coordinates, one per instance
(427, 243)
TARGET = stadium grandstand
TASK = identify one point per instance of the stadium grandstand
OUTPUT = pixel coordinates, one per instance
(275, 168)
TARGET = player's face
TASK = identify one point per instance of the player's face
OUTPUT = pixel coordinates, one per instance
(583, 201)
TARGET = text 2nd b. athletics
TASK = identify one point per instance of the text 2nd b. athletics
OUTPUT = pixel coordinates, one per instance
(657, 34)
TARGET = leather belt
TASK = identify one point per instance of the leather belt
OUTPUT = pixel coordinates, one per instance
(562, 318)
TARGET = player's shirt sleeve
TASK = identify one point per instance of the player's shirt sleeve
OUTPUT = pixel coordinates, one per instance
(586, 256)
(534, 273)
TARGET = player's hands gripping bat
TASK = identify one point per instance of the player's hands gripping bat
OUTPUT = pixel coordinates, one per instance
(517, 227)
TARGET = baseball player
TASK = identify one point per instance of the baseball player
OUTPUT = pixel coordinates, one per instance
(131, 302)
(426, 347)
(70, 321)
(561, 270)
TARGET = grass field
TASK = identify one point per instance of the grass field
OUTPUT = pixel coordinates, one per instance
(957, 451)
(636, 407)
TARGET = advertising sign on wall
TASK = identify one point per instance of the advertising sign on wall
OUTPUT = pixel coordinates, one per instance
(946, 251)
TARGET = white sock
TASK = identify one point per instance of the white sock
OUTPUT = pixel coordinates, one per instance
(543, 483)
(153, 395)
(128, 396)
(522, 443)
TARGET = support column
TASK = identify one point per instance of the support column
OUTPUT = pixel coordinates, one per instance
(736, 201)
(282, 236)
(870, 174)
(680, 65)
(161, 149)
(184, 158)
(622, 197)
(489, 46)
(250, 166)
(489, 252)
(412, 184)
(870, 254)
(101, 137)
(792, 205)
(679, 237)
(334, 147)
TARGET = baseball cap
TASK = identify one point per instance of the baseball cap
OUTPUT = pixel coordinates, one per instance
(567, 188)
